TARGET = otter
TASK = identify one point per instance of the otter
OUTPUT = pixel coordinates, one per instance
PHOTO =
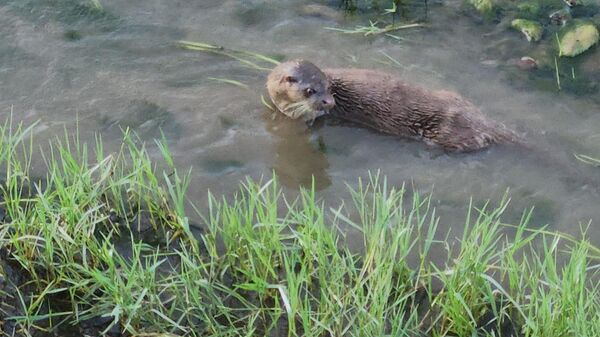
(385, 103)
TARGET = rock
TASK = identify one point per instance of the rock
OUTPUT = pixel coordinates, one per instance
(577, 37)
(531, 29)
(560, 17)
(527, 63)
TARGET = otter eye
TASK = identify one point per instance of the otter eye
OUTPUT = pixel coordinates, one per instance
(309, 92)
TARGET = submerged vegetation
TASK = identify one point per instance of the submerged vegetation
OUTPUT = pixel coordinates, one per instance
(588, 159)
(374, 29)
(560, 35)
(246, 58)
(102, 244)
(557, 50)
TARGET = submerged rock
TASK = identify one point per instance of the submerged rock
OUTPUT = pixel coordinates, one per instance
(321, 11)
(527, 63)
(482, 6)
(577, 37)
(560, 17)
(531, 29)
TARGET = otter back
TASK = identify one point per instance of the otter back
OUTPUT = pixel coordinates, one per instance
(387, 104)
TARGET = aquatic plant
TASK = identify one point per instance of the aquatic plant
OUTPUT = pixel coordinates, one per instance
(482, 6)
(577, 37)
(382, 25)
(246, 58)
(96, 5)
(374, 29)
(588, 159)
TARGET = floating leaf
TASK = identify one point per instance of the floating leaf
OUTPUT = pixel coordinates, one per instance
(577, 37)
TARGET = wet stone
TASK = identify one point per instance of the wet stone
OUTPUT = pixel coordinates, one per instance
(8, 296)
(560, 17)
(321, 11)
(532, 30)
(142, 222)
(527, 63)
(113, 217)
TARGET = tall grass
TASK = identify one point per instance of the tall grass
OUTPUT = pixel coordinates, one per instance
(267, 264)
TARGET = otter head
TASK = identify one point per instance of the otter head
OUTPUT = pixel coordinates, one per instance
(300, 89)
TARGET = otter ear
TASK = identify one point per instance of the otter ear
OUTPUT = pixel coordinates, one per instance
(289, 79)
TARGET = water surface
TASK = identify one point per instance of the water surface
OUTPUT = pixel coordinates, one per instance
(66, 65)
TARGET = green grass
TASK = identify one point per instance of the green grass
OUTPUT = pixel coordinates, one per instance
(265, 262)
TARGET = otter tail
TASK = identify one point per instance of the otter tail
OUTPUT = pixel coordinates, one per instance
(504, 135)
(556, 161)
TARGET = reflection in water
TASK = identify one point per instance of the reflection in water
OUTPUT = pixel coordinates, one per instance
(299, 158)
(146, 118)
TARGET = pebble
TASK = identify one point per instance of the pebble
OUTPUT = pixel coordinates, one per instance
(527, 63)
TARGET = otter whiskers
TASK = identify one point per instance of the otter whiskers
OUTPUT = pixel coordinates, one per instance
(298, 109)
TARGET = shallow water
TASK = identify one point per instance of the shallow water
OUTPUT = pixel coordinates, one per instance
(65, 65)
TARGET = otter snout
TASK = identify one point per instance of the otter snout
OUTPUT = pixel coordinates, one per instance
(327, 102)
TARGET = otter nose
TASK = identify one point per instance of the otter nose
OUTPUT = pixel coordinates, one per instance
(328, 102)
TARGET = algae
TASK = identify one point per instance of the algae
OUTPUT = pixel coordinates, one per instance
(531, 29)
(482, 6)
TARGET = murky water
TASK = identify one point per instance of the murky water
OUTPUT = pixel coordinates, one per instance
(64, 64)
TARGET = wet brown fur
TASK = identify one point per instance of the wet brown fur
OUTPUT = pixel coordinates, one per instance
(389, 105)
